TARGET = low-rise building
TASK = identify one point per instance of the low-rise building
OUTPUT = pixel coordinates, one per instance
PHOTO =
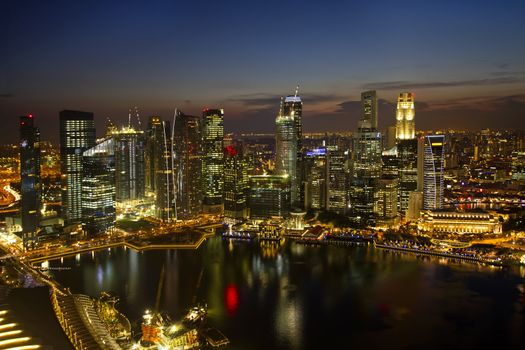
(442, 221)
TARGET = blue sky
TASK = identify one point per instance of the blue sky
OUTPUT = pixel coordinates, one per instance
(463, 58)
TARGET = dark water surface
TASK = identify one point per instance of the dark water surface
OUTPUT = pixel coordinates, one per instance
(304, 297)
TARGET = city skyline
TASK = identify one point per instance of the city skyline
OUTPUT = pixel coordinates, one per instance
(107, 58)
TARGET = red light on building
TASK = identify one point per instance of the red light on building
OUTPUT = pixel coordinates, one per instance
(30, 116)
(231, 151)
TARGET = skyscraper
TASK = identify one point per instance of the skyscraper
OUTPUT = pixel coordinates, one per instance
(269, 196)
(369, 107)
(188, 165)
(129, 163)
(337, 200)
(366, 162)
(385, 204)
(150, 155)
(366, 170)
(293, 106)
(236, 185)
(77, 134)
(165, 195)
(213, 159)
(316, 169)
(407, 161)
(29, 177)
(286, 145)
(405, 114)
(98, 187)
(433, 171)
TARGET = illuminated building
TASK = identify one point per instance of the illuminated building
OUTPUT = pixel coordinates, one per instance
(390, 162)
(98, 187)
(415, 204)
(337, 200)
(151, 158)
(188, 166)
(269, 196)
(165, 195)
(159, 168)
(408, 172)
(30, 200)
(369, 107)
(129, 164)
(213, 159)
(286, 143)
(293, 106)
(385, 204)
(77, 134)
(316, 171)
(441, 221)
(518, 166)
(236, 182)
(405, 117)
(366, 167)
(433, 172)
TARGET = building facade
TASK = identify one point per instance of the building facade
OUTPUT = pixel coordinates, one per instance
(315, 164)
(434, 156)
(165, 194)
(30, 201)
(130, 147)
(188, 165)
(151, 158)
(405, 117)
(77, 134)
(293, 106)
(213, 160)
(269, 196)
(366, 170)
(440, 221)
(286, 143)
(385, 204)
(98, 187)
(337, 181)
(408, 177)
(236, 182)
(369, 107)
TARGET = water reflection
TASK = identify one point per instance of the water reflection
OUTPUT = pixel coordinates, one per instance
(290, 296)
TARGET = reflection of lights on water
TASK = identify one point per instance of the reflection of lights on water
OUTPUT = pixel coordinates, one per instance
(92, 254)
(77, 257)
(231, 296)
(100, 276)
(289, 322)
(279, 265)
(230, 245)
(62, 261)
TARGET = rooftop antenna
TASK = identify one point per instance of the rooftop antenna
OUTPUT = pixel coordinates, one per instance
(129, 118)
(296, 90)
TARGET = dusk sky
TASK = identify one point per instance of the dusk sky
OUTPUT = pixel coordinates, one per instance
(464, 60)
